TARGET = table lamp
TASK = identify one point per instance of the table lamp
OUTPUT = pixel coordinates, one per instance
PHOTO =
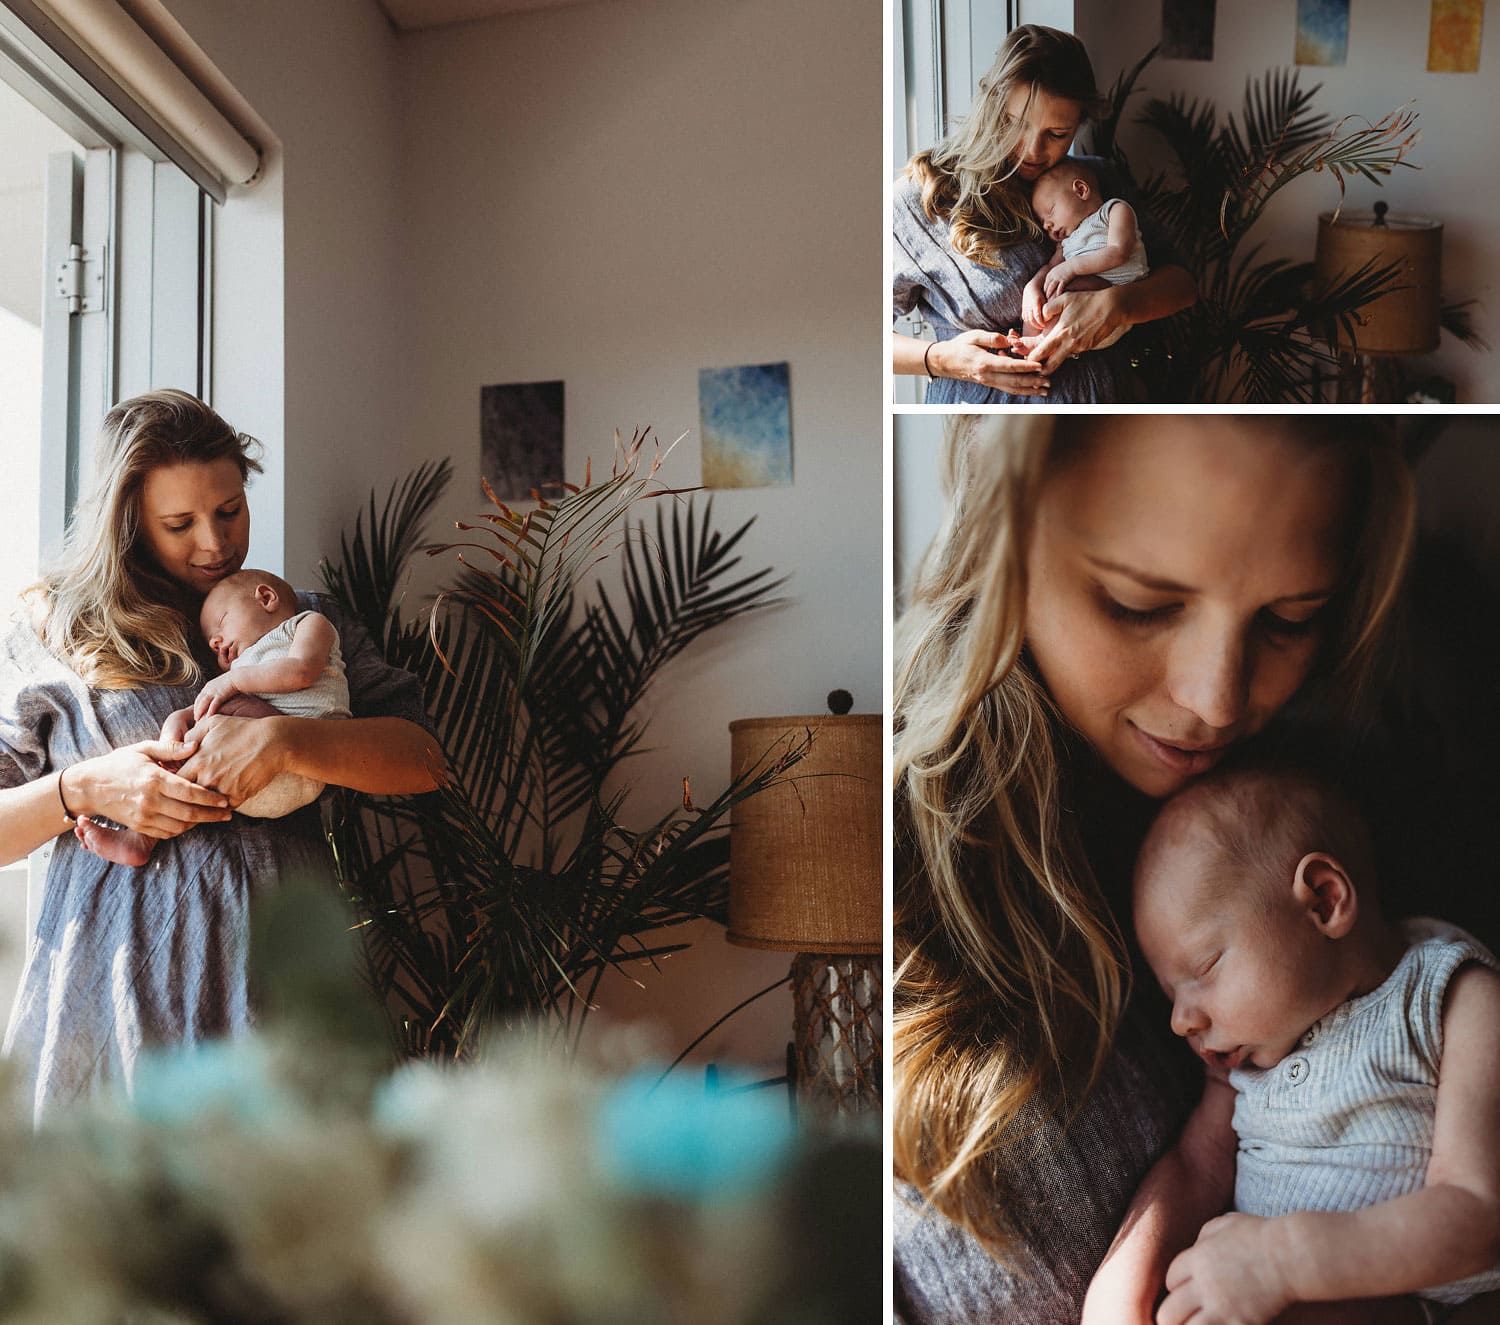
(1404, 321)
(805, 877)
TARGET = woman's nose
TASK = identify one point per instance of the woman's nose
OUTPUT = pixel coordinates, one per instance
(1210, 677)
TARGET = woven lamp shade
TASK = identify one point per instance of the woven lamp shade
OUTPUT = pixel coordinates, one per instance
(1404, 321)
(805, 859)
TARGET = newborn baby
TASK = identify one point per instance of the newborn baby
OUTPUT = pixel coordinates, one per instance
(1354, 1090)
(1098, 241)
(270, 651)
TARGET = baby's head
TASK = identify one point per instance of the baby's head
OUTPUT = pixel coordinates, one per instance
(1065, 196)
(1248, 894)
(241, 608)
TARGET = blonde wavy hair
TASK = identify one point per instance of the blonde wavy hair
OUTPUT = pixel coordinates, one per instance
(969, 179)
(1011, 971)
(103, 606)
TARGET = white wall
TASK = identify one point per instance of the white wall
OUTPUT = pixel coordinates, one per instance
(1387, 66)
(616, 194)
(619, 194)
(323, 77)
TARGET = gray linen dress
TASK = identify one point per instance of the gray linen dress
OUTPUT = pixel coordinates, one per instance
(955, 295)
(124, 958)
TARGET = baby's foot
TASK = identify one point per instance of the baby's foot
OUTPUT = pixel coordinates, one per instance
(124, 846)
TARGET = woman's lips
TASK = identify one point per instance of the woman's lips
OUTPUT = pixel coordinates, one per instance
(1183, 760)
(217, 570)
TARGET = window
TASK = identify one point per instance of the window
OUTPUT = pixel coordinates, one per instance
(103, 294)
(942, 48)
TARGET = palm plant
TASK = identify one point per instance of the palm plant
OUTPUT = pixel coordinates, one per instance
(1261, 328)
(509, 893)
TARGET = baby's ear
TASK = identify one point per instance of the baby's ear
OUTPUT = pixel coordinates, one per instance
(1081, 189)
(1324, 889)
(267, 597)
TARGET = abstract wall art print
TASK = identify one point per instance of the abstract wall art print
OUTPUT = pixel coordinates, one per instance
(1322, 32)
(1187, 29)
(1453, 36)
(521, 437)
(745, 415)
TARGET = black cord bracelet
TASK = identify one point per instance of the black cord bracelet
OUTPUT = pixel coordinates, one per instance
(926, 365)
(68, 815)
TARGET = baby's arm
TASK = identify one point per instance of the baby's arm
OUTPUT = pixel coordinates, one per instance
(1448, 1230)
(304, 663)
(1033, 298)
(1191, 1183)
(1122, 235)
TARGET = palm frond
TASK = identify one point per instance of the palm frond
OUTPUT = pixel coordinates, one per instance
(1105, 131)
(1457, 317)
(511, 891)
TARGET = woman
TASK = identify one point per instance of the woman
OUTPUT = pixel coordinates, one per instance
(108, 646)
(966, 242)
(1110, 606)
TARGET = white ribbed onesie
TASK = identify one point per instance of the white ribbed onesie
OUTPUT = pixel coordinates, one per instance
(327, 697)
(1346, 1119)
(1092, 234)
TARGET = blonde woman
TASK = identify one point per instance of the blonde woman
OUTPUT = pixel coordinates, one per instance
(1111, 606)
(966, 242)
(105, 647)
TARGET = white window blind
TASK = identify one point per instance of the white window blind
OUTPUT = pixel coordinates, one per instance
(138, 58)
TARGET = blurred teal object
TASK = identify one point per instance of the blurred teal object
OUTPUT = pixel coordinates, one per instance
(229, 1079)
(673, 1138)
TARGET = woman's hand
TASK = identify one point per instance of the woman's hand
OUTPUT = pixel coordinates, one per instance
(237, 756)
(130, 786)
(1230, 1276)
(1078, 321)
(968, 358)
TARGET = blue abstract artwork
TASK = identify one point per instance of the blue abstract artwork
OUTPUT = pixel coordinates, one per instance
(1322, 31)
(745, 415)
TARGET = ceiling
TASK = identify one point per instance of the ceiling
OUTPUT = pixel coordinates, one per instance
(409, 15)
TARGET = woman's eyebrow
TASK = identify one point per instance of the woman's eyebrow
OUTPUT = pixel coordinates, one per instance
(1140, 577)
(1171, 586)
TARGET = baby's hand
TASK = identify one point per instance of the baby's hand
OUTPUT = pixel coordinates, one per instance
(1056, 280)
(1230, 1276)
(1033, 301)
(213, 695)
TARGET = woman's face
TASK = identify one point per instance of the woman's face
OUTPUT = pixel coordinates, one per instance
(195, 523)
(1178, 573)
(1047, 127)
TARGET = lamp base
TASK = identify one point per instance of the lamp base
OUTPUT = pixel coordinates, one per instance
(836, 1005)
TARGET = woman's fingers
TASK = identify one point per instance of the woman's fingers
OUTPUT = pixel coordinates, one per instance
(165, 751)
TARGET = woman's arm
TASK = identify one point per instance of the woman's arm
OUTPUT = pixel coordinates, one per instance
(967, 357)
(1091, 319)
(128, 785)
(385, 756)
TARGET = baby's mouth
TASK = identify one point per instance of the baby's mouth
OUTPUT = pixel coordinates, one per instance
(1225, 1060)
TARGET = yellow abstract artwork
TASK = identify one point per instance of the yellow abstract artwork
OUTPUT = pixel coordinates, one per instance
(1453, 39)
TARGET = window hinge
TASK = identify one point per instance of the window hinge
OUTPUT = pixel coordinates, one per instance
(80, 280)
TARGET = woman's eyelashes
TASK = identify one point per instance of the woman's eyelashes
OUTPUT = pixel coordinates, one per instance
(230, 514)
(1135, 616)
(1272, 623)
